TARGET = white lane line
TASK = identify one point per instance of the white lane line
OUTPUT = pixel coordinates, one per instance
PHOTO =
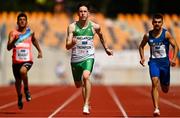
(74, 96)
(8, 105)
(118, 103)
(167, 102)
(42, 93)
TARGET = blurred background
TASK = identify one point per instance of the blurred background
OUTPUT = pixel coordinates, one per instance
(123, 23)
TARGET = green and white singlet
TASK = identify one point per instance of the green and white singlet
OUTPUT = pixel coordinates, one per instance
(84, 49)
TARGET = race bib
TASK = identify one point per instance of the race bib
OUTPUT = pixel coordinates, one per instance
(84, 47)
(22, 54)
(158, 51)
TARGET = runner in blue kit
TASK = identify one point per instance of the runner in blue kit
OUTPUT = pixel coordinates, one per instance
(159, 40)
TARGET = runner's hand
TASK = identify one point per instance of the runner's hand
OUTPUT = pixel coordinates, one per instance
(16, 37)
(39, 55)
(142, 62)
(172, 63)
(74, 41)
(109, 51)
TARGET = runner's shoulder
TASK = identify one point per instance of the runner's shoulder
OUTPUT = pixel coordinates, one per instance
(95, 25)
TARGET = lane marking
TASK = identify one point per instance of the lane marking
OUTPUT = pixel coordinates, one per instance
(8, 105)
(42, 93)
(74, 96)
(116, 100)
(167, 102)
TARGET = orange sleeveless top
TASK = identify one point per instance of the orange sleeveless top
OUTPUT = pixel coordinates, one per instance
(22, 52)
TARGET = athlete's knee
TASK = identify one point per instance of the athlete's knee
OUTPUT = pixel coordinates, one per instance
(86, 75)
(165, 89)
(155, 82)
(78, 84)
(18, 81)
(23, 71)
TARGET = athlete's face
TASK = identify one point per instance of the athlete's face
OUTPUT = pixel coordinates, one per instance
(157, 23)
(83, 13)
(22, 22)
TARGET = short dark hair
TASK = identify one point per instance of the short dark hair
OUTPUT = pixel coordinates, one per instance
(86, 4)
(158, 16)
(22, 14)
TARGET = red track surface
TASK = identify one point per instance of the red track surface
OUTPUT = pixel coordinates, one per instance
(106, 101)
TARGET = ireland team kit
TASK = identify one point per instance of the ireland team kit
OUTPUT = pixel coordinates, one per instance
(82, 57)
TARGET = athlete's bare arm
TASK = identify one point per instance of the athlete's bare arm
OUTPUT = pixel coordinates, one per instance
(11, 40)
(36, 44)
(175, 48)
(97, 29)
(141, 49)
(70, 41)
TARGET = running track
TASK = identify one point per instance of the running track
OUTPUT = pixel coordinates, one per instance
(106, 101)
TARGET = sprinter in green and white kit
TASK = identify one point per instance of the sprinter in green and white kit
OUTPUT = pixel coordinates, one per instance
(80, 37)
(83, 52)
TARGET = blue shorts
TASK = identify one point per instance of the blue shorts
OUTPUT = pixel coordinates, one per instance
(160, 68)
